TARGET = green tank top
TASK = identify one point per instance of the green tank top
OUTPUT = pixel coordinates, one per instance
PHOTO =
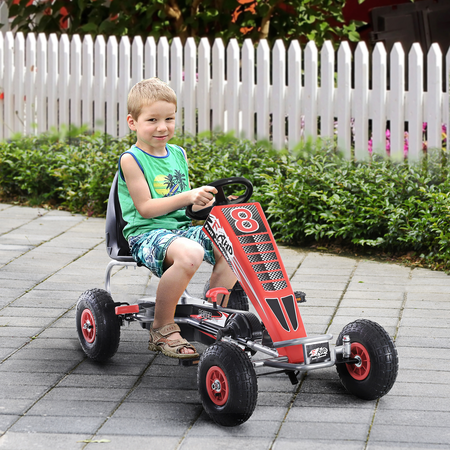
(165, 176)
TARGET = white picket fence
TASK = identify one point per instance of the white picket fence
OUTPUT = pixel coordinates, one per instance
(285, 95)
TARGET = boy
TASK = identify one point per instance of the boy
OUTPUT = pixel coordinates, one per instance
(153, 192)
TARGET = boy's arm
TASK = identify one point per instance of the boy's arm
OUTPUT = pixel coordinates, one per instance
(149, 207)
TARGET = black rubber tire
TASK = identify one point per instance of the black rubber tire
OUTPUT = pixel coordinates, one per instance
(238, 298)
(236, 401)
(377, 373)
(95, 309)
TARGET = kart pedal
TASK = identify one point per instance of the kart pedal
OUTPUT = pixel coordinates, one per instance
(300, 296)
(188, 362)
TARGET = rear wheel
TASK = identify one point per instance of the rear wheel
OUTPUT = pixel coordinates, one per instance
(238, 298)
(227, 384)
(376, 371)
(98, 326)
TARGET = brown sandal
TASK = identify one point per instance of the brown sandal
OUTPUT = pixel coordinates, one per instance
(158, 342)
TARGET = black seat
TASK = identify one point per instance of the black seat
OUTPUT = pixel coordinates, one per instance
(116, 245)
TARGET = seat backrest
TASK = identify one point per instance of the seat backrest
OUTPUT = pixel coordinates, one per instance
(116, 245)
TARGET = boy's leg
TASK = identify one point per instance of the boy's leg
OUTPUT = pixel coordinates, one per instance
(222, 276)
(183, 258)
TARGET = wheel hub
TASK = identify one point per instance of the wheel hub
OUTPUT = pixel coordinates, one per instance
(216, 386)
(88, 326)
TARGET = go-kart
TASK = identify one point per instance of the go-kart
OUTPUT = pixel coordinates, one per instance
(364, 354)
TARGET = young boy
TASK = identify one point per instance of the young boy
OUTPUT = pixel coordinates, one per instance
(153, 192)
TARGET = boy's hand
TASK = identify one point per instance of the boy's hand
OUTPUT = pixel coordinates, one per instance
(203, 196)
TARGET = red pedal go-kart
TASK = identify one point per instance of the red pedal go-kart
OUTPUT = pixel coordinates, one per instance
(365, 356)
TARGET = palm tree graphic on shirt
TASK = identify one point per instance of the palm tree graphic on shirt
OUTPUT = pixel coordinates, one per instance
(175, 183)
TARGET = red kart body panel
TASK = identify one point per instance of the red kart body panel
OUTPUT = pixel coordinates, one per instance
(243, 236)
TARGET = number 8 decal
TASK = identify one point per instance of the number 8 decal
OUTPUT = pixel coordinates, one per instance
(244, 221)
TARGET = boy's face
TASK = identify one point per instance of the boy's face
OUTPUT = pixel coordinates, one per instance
(154, 127)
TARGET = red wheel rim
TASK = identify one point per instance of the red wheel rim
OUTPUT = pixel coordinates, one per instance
(217, 386)
(88, 326)
(361, 370)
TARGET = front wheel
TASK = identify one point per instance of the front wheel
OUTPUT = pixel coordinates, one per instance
(227, 384)
(376, 370)
(98, 326)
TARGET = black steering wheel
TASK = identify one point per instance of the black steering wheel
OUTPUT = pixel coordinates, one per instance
(221, 199)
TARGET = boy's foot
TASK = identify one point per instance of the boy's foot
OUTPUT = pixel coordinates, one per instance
(174, 348)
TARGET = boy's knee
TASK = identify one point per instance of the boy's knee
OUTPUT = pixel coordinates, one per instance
(190, 258)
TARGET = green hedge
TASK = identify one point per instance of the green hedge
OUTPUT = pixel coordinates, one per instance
(309, 195)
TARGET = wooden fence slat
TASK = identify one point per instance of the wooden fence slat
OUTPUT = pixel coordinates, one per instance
(163, 51)
(204, 86)
(218, 85)
(99, 83)
(378, 110)
(189, 88)
(150, 57)
(310, 93)
(2, 86)
(41, 83)
(112, 68)
(232, 109)
(52, 82)
(123, 83)
(361, 113)
(137, 60)
(87, 82)
(327, 89)
(8, 85)
(278, 95)
(63, 80)
(75, 81)
(434, 90)
(344, 97)
(30, 82)
(248, 89)
(18, 83)
(262, 105)
(446, 99)
(414, 114)
(397, 100)
(176, 82)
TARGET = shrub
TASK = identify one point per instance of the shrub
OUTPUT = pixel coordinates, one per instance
(310, 195)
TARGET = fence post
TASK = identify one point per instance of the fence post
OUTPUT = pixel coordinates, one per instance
(52, 87)
(18, 83)
(163, 59)
(137, 61)
(294, 94)
(2, 88)
(232, 111)
(63, 80)
(111, 85)
(41, 83)
(150, 57)
(75, 81)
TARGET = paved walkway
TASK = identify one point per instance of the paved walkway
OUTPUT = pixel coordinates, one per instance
(51, 396)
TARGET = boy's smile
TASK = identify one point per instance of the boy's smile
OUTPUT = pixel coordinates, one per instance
(154, 127)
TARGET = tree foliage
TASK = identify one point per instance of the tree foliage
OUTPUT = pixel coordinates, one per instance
(304, 20)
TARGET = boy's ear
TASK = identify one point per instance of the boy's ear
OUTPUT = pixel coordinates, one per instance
(131, 124)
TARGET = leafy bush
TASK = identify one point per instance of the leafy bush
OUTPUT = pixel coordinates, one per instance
(311, 195)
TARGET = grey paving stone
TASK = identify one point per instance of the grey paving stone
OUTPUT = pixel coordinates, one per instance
(72, 408)
(226, 443)
(332, 431)
(57, 424)
(135, 442)
(315, 443)
(424, 435)
(42, 441)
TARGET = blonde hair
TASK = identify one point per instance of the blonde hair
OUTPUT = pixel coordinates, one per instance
(147, 92)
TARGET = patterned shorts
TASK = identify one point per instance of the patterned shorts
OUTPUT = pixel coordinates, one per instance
(150, 248)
